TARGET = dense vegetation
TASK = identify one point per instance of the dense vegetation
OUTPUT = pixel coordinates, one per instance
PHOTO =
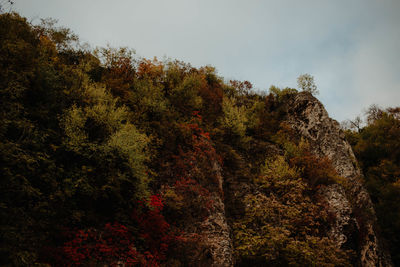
(108, 158)
(377, 148)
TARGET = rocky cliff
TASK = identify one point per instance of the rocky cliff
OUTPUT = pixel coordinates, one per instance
(354, 226)
(355, 223)
(216, 230)
(159, 163)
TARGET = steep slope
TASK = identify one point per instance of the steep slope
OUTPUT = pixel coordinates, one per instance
(101, 152)
(355, 223)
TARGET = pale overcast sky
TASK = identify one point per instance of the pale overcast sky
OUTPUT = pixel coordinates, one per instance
(351, 47)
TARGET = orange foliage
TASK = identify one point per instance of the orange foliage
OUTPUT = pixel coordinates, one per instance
(316, 170)
(119, 76)
(151, 69)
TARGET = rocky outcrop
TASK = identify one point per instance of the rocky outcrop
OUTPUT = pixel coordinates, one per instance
(355, 223)
(345, 227)
(216, 229)
(213, 247)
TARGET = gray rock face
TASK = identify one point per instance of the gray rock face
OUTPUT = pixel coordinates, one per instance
(354, 226)
(216, 228)
(218, 239)
(339, 205)
(355, 222)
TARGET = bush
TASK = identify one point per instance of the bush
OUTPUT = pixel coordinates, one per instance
(281, 224)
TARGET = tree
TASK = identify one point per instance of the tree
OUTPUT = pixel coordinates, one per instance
(307, 84)
(281, 225)
(373, 113)
(355, 124)
(377, 148)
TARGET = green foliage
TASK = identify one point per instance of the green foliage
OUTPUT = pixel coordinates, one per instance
(32, 97)
(54, 174)
(282, 94)
(234, 120)
(306, 83)
(62, 38)
(85, 136)
(377, 147)
(315, 170)
(100, 129)
(281, 223)
(148, 100)
(254, 115)
(185, 96)
(278, 175)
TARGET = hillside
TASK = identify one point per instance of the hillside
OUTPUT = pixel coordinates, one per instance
(109, 159)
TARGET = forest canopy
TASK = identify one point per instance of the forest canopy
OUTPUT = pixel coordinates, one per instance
(108, 158)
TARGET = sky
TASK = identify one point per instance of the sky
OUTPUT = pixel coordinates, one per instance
(351, 47)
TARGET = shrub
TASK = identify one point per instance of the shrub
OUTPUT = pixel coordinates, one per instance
(281, 224)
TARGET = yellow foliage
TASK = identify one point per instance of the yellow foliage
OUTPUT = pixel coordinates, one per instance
(101, 127)
(275, 228)
(234, 118)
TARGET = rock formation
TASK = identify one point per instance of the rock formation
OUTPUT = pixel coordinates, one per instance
(216, 230)
(355, 224)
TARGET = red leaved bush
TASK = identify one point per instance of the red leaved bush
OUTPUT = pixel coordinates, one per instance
(154, 229)
(316, 170)
(144, 244)
(112, 245)
(198, 161)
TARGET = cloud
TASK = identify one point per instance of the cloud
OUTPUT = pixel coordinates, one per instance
(351, 47)
(376, 67)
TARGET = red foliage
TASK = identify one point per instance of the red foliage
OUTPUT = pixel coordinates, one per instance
(122, 68)
(198, 160)
(153, 228)
(316, 170)
(212, 94)
(112, 245)
(195, 196)
(243, 88)
(152, 69)
(115, 244)
(156, 202)
(119, 76)
(194, 175)
(149, 236)
(148, 240)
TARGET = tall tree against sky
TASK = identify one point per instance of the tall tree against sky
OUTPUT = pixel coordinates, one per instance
(306, 83)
